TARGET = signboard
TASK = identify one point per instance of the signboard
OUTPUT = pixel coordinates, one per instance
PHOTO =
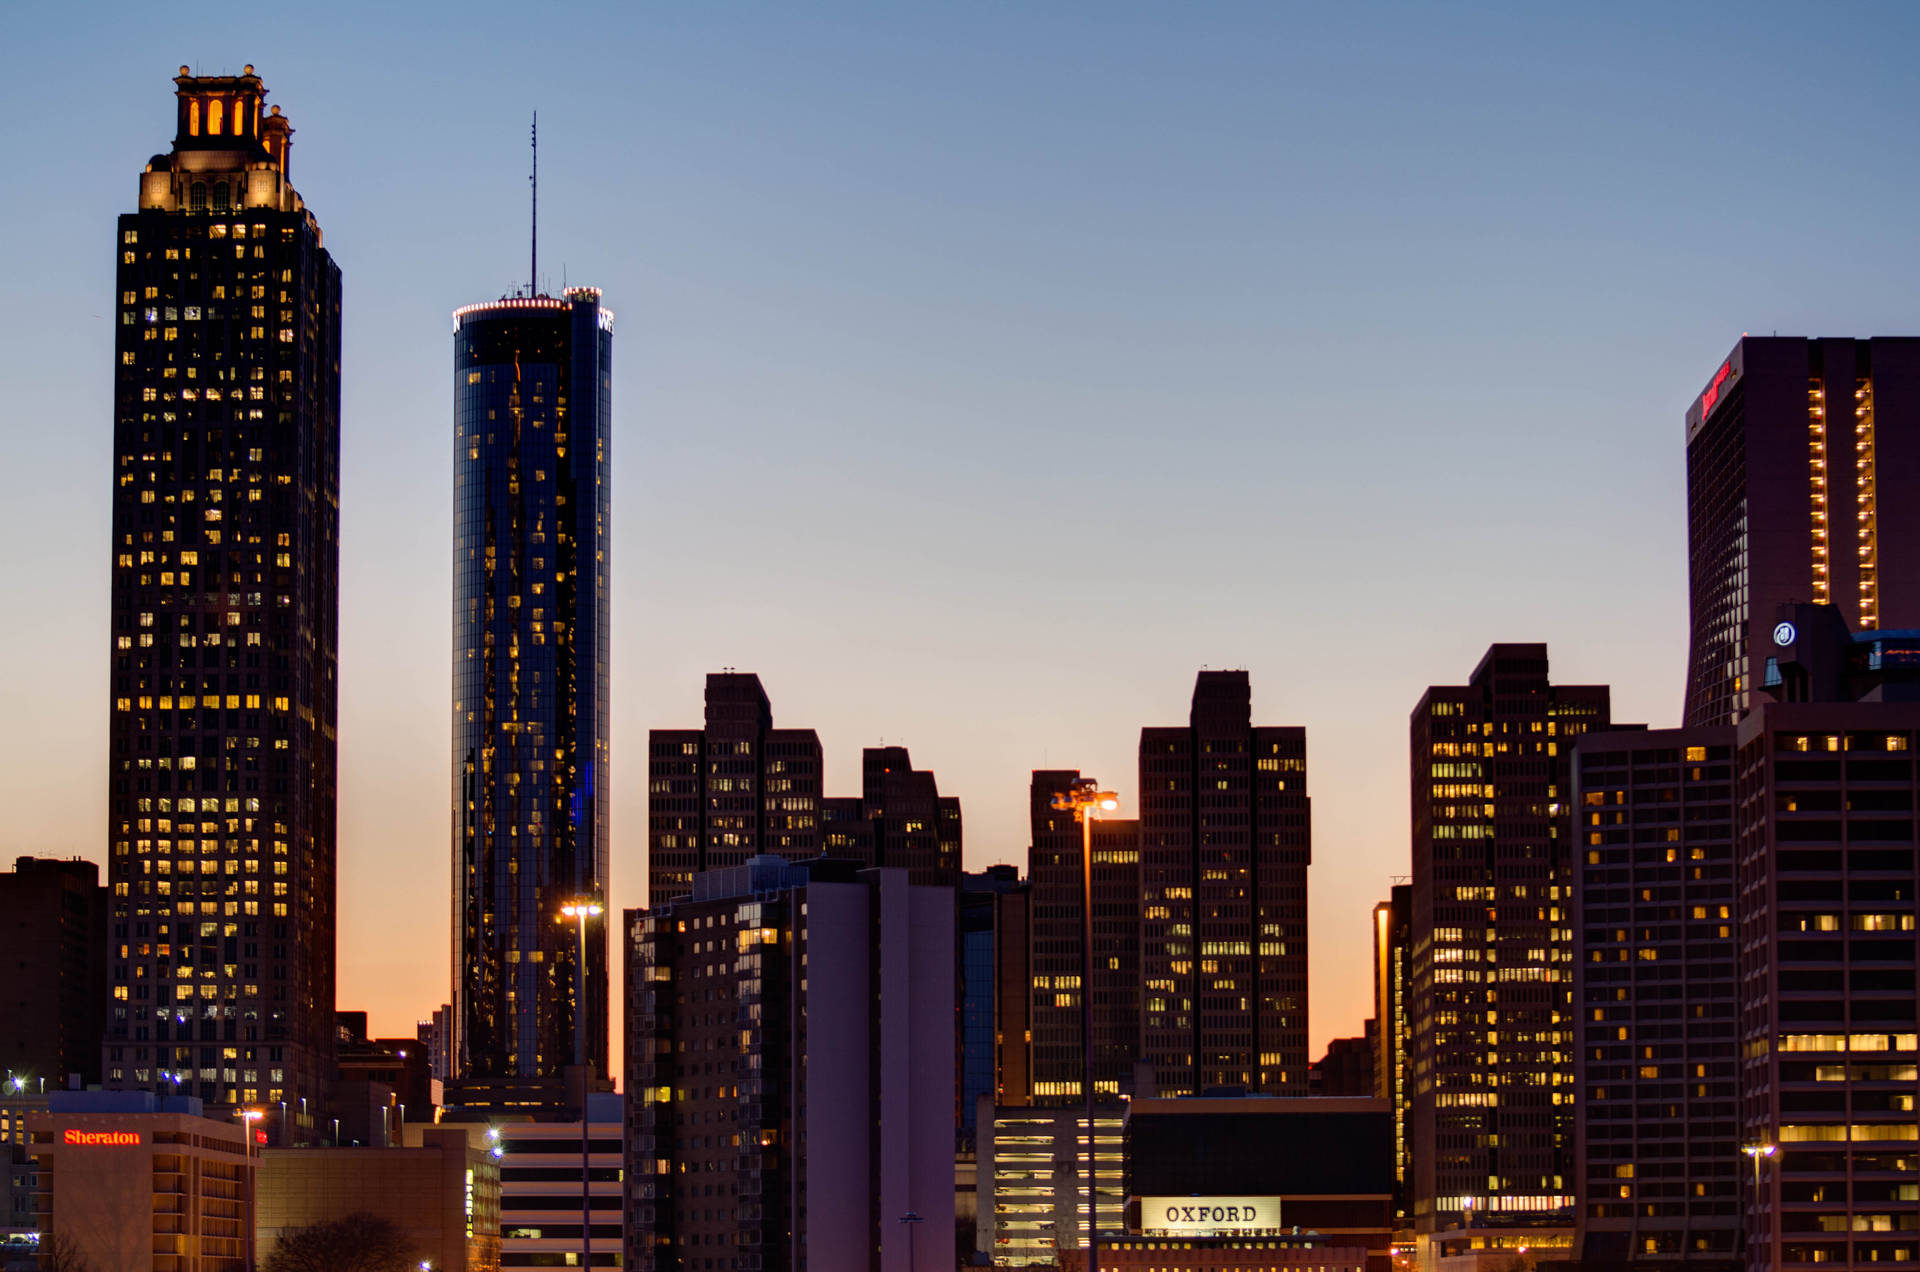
(1208, 1216)
(1785, 635)
(98, 1139)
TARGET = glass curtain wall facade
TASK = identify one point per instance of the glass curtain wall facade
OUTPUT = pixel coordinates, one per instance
(225, 605)
(533, 389)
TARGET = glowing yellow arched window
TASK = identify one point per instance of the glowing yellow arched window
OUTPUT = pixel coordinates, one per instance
(193, 117)
(215, 109)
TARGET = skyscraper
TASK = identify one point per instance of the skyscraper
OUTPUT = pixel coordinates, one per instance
(741, 788)
(736, 789)
(1492, 1109)
(1803, 484)
(533, 410)
(225, 612)
(1225, 840)
(1655, 986)
(1055, 878)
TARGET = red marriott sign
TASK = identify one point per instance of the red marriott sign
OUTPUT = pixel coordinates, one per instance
(1712, 394)
(99, 1139)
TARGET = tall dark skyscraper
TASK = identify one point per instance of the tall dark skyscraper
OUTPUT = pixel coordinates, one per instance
(1655, 990)
(1803, 484)
(736, 789)
(225, 610)
(53, 945)
(1225, 841)
(1054, 873)
(533, 411)
(740, 788)
(1493, 1037)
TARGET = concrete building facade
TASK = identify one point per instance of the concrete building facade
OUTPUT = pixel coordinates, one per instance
(791, 1070)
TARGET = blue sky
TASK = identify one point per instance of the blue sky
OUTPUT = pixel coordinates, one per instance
(983, 371)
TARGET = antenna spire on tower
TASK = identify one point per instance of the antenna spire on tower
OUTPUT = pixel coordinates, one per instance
(533, 264)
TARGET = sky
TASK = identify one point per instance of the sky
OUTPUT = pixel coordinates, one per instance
(982, 371)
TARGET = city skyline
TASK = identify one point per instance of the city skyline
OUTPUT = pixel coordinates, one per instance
(1007, 664)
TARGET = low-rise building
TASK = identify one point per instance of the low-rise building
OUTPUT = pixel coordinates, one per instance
(441, 1188)
(139, 1183)
(1239, 1177)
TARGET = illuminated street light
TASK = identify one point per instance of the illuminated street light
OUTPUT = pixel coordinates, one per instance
(1757, 1152)
(1083, 799)
(247, 1118)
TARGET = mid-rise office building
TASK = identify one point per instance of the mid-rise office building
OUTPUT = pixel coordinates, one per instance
(1492, 1028)
(1825, 790)
(1392, 1034)
(740, 788)
(439, 1185)
(899, 820)
(533, 414)
(225, 608)
(1225, 841)
(1657, 1141)
(736, 789)
(790, 1070)
(1056, 873)
(544, 1196)
(141, 1183)
(53, 945)
(1803, 484)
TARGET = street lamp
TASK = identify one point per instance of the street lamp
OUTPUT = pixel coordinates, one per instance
(1082, 799)
(580, 911)
(909, 1220)
(247, 1118)
(1757, 1152)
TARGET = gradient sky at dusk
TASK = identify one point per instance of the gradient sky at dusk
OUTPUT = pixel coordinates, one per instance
(983, 371)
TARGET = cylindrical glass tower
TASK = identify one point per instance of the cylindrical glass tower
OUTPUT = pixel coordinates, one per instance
(533, 388)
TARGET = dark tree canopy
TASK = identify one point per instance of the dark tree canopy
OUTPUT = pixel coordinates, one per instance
(360, 1242)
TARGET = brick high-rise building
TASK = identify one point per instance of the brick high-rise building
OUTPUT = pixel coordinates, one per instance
(1492, 1030)
(1656, 999)
(1056, 926)
(53, 947)
(225, 603)
(736, 789)
(1225, 841)
(899, 819)
(741, 788)
(1803, 484)
(533, 414)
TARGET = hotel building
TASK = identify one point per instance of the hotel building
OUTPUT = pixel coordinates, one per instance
(1803, 484)
(533, 412)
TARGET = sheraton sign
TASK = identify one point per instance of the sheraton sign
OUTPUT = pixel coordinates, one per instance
(99, 1139)
(1201, 1216)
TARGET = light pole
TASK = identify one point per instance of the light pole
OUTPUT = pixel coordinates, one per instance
(1756, 1152)
(908, 1220)
(580, 911)
(1081, 799)
(247, 1118)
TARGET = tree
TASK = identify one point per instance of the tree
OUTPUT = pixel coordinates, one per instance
(361, 1242)
(61, 1253)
